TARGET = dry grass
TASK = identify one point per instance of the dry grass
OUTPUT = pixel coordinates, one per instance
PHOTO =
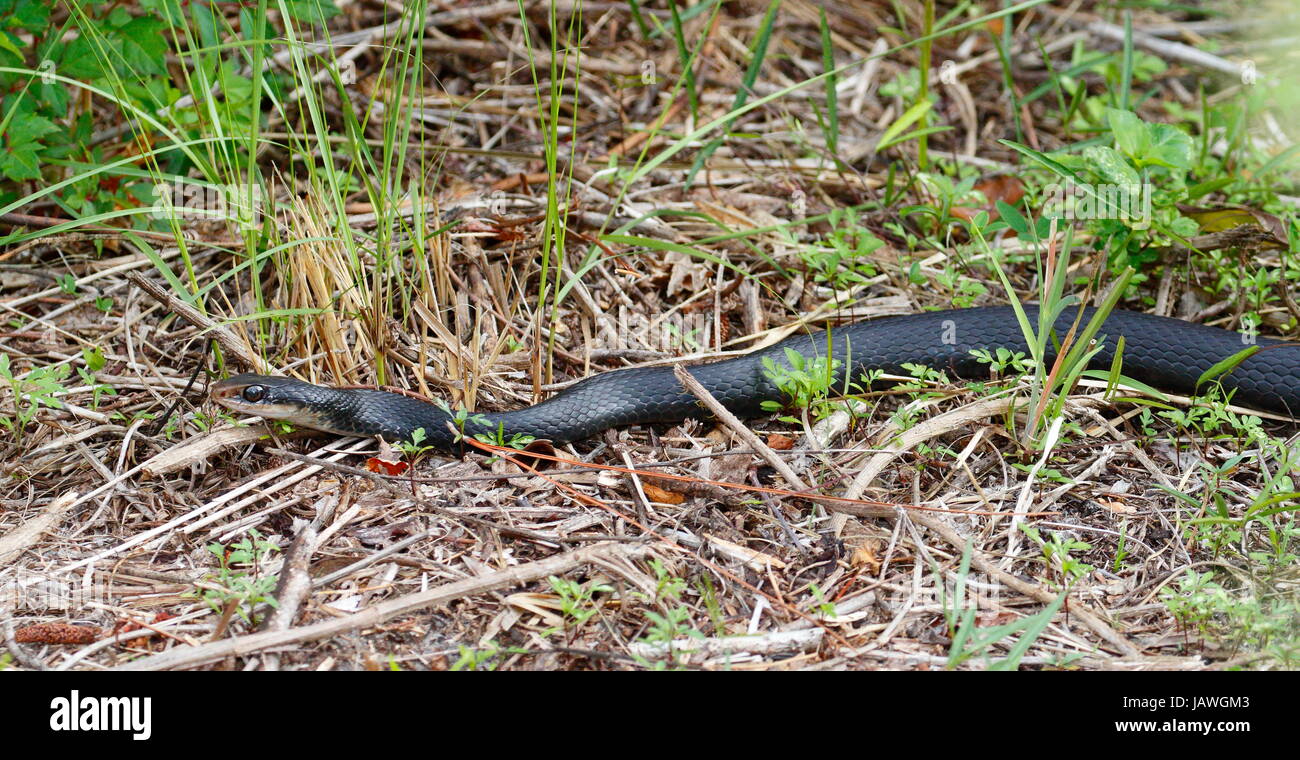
(448, 566)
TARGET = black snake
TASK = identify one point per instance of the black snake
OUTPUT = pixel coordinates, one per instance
(1169, 354)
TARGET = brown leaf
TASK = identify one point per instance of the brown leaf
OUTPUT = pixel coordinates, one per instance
(966, 213)
(1118, 507)
(655, 493)
(866, 553)
(779, 442)
(1224, 218)
(1002, 187)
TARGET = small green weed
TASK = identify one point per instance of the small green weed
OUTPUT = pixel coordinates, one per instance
(1058, 554)
(577, 602)
(238, 582)
(38, 387)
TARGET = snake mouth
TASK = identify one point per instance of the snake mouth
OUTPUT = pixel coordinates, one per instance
(235, 396)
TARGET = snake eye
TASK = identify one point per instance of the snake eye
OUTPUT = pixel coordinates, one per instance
(254, 393)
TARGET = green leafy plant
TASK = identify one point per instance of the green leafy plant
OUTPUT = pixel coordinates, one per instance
(1059, 553)
(486, 658)
(1069, 353)
(577, 602)
(1128, 194)
(919, 388)
(822, 605)
(843, 259)
(498, 437)
(1235, 619)
(673, 619)
(238, 584)
(38, 387)
(801, 380)
(94, 360)
(688, 339)
(459, 419)
(414, 448)
(1001, 360)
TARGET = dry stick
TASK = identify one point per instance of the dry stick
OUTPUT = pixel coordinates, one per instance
(278, 475)
(724, 416)
(847, 505)
(774, 642)
(28, 220)
(943, 423)
(141, 261)
(906, 441)
(583, 498)
(932, 427)
(13, 544)
(727, 418)
(402, 493)
(189, 313)
(78, 500)
(294, 587)
(510, 577)
(371, 35)
(201, 448)
(1168, 49)
(954, 539)
(148, 630)
(378, 556)
(281, 481)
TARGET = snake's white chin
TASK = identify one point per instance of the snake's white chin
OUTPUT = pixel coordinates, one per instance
(268, 411)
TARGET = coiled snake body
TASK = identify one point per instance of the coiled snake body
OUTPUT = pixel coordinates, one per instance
(1166, 353)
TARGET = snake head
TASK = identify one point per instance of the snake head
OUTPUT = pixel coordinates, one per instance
(275, 398)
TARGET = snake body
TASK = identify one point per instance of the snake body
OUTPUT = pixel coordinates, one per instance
(1166, 353)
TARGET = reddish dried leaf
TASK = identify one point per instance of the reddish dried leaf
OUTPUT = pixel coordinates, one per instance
(388, 461)
(386, 467)
(1118, 507)
(779, 442)
(654, 493)
(1003, 187)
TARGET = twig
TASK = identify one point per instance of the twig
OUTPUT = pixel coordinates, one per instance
(932, 427)
(402, 493)
(745, 434)
(294, 587)
(508, 578)
(984, 564)
(189, 313)
(766, 643)
(201, 448)
(1170, 50)
(277, 477)
(16, 541)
